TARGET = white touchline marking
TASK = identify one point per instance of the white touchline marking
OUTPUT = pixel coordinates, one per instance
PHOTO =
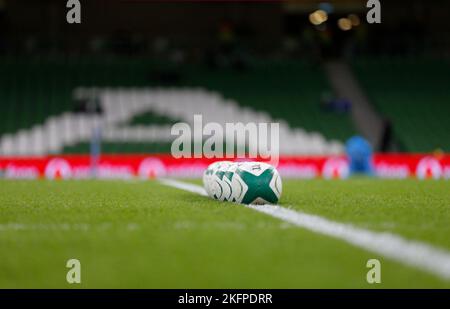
(413, 253)
(184, 186)
(421, 255)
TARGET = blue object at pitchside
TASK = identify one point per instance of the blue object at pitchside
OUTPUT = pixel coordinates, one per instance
(359, 152)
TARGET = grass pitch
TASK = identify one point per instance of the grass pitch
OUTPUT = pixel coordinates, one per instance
(147, 235)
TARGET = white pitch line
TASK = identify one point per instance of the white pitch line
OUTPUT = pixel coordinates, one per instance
(413, 253)
(184, 186)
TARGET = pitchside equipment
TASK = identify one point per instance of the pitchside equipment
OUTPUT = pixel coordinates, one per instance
(360, 153)
(246, 182)
(260, 181)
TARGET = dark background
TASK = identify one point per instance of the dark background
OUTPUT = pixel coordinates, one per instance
(139, 27)
(267, 55)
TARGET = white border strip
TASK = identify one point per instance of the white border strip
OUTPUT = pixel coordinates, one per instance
(412, 253)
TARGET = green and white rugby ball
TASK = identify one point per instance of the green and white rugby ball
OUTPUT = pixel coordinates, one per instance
(246, 182)
(259, 183)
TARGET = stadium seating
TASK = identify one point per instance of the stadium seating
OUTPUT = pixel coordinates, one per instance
(289, 90)
(414, 94)
(38, 99)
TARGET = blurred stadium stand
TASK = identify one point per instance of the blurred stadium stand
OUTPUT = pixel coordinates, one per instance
(264, 62)
(287, 91)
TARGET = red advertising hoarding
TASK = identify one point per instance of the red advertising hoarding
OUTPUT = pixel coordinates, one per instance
(164, 165)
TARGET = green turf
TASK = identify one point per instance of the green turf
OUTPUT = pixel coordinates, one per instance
(413, 208)
(147, 235)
